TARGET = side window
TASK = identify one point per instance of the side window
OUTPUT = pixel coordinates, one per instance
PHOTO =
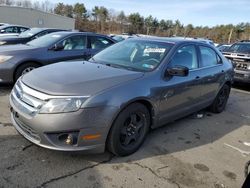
(74, 43)
(22, 29)
(15, 30)
(185, 56)
(99, 43)
(209, 57)
(9, 30)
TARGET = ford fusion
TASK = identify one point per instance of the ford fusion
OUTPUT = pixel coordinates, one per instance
(114, 99)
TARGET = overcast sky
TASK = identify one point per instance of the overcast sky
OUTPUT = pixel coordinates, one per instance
(196, 12)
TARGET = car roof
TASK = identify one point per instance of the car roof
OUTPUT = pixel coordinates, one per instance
(65, 33)
(173, 40)
(42, 29)
(4, 26)
(243, 42)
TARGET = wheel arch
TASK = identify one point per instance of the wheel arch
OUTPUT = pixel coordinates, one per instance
(144, 101)
(23, 63)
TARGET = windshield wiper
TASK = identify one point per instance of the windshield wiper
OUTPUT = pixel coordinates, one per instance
(122, 66)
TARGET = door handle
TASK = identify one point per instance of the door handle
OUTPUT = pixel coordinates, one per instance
(222, 71)
(197, 77)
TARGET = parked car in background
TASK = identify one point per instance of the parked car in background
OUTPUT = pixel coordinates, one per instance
(123, 36)
(113, 100)
(12, 30)
(223, 47)
(16, 60)
(27, 36)
(239, 55)
(117, 38)
(1, 24)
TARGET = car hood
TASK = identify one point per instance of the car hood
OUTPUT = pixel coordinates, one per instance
(11, 38)
(15, 47)
(77, 78)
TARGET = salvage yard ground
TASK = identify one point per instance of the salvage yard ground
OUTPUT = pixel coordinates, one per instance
(191, 152)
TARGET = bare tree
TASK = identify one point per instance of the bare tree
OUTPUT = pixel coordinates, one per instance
(36, 5)
(9, 2)
(18, 3)
(27, 4)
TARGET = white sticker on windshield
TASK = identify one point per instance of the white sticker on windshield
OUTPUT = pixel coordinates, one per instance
(56, 36)
(154, 50)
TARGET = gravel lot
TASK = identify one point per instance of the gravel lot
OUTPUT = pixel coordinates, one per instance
(191, 152)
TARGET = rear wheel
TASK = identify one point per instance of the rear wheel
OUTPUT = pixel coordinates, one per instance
(25, 68)
(129, 130)
(220, 101)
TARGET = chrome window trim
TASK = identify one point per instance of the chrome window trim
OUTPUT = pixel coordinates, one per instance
(200, 68)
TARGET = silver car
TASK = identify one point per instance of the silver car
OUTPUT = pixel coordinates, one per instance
(112, 100)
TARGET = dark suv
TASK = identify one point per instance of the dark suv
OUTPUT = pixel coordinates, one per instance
(239, 55)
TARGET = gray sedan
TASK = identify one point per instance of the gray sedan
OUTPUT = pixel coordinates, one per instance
(114, 99)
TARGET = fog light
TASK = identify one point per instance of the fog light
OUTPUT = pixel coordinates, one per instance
(69, 140)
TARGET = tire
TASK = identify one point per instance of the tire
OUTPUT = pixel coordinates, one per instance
(220, 101)
(129, 130)
(23, 69)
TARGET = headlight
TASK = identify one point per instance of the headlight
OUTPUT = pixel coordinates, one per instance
(4, 58)
(62, 105)
(2, 42)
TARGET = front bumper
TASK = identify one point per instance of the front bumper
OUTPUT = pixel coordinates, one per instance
(6, 73)
(45, 129)
(242, 76)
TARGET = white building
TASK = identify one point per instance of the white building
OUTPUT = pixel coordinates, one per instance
(34, 18)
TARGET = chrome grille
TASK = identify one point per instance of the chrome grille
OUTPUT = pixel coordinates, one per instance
(241, 66)
(24, 99)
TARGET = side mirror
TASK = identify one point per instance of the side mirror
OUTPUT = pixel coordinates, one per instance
(177, 71)
(57, 47)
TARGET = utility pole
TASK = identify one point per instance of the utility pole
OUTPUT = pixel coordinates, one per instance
(230, 36)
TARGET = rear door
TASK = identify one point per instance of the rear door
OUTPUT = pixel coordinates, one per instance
(74, 48)
(212, 72)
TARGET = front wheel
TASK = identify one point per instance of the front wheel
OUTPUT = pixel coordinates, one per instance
(25, 68)
(129, 130)
(220, 101)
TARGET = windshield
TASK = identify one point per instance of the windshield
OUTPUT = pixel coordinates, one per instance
(135, 55)
(45, 40)
(240, 47)
(30, 32)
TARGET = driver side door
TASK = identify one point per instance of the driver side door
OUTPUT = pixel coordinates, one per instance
(181, 95)
(72, 48)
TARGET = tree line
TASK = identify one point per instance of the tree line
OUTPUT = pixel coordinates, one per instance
(103, 20)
